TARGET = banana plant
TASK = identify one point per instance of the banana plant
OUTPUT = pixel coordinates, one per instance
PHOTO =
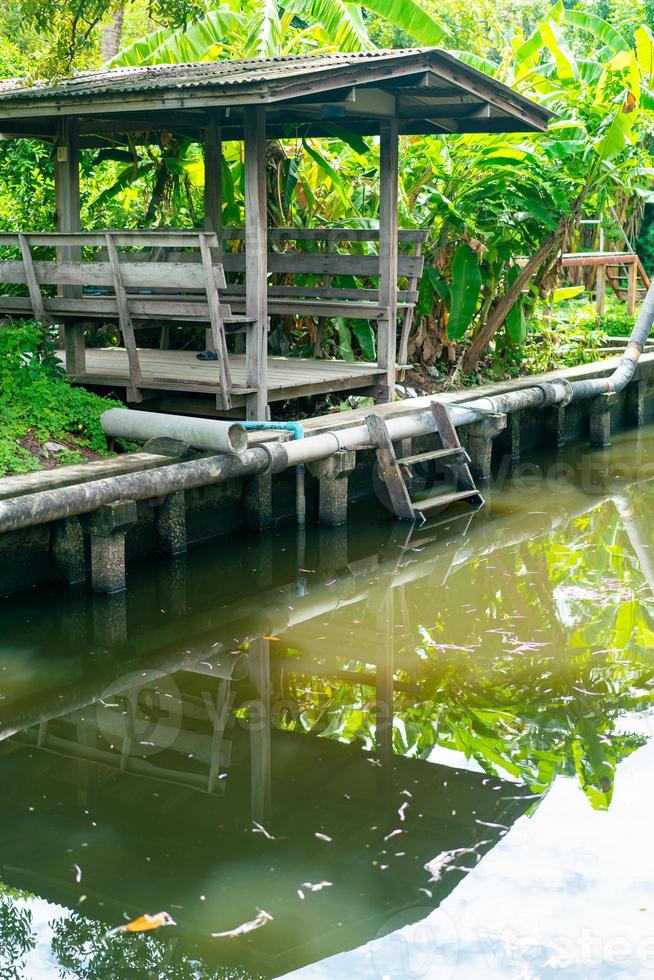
(272, 29)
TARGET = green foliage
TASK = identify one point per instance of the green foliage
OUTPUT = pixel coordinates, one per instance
(38, 404)
(466, 286)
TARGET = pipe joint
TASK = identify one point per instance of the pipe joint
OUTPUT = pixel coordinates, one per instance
(558, 392)
(277, 457)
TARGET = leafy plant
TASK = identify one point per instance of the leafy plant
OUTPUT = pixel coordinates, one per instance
(38, 404)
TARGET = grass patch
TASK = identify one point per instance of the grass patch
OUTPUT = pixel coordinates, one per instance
(38, 405)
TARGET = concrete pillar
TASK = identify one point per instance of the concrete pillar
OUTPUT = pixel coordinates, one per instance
(257, 502)
(480, 443)
(333, 474)
(509, 439)
(68, 551)
(107, 528)
(600, 418)
(554, 421)
(635, 403)
(170, 523)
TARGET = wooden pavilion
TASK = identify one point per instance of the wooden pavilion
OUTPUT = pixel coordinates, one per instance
(379, 93)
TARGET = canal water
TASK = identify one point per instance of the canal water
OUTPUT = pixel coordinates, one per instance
(371, 753)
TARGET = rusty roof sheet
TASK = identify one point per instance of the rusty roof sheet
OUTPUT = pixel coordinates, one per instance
(247, 72)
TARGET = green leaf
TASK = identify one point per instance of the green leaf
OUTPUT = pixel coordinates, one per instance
(327, 168)
(410, 17)
(475, 61)
(566, 292)
(124, 179)
(645, 51)
(516, 321)
(466, 286)
(598, 28)
(364, 333)
(566, 65)
(199, 41)
(338, 21)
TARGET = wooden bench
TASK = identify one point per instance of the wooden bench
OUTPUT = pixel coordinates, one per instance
(130, 287)
(306, 268)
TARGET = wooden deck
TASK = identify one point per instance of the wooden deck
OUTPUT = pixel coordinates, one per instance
(182, 371)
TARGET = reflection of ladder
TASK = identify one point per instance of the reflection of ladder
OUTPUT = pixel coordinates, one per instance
(393, 471)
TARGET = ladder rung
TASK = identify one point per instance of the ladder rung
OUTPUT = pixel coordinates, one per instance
(443, 499)
(460, 455)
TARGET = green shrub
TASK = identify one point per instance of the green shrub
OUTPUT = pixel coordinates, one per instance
(38, 403)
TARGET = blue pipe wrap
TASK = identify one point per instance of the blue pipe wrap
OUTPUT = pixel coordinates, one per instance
(295, 427)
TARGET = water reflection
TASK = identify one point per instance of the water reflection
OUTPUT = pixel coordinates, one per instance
(333, 729)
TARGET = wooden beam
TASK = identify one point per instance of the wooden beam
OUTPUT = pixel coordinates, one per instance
(388, 193)
(125, 320)
(632, 288)
(36, 298)
(217, 328)
(443, 110)
(256, 248)
(68, 220)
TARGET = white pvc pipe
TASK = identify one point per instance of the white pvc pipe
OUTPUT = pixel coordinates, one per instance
(205, 434)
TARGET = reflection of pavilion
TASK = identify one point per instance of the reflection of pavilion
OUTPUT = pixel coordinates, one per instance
(146, 833)
(148, 773)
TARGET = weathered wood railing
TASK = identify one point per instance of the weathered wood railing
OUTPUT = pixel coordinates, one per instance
(306, 264)
(133, 292)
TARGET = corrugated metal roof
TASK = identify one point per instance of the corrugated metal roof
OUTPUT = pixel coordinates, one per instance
(247, 72)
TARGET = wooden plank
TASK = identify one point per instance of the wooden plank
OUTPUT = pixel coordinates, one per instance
(181, 238)
(632, 287)
(409, 296)
(388, 258)
(163, 238)
(320, 264)
(256, 236)
(326, 234)
(364, 296)
(148, 308)
(389, 468)
(36, 298)
(135, 275)
(124, 317)
(217, 329)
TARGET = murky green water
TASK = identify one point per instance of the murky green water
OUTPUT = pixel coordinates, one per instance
(390, 756)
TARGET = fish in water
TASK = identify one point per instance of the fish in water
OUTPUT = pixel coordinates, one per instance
(145, 923)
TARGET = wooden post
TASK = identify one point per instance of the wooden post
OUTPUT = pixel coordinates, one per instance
(387, 323)
(256, 263)
(68, 220)
(213, 201)
(632, 285)
(212, 147)
(600, 276)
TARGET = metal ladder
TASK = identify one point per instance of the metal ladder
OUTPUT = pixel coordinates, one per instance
(392, 469)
